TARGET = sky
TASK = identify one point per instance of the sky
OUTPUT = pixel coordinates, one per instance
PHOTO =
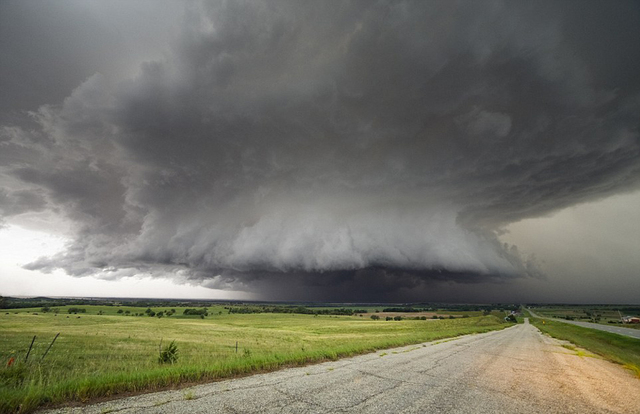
(357, 151)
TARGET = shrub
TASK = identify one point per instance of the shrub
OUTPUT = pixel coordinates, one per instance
(375, 317)
(388, 318)
(169, 354)
(196, 312)
(397, 318)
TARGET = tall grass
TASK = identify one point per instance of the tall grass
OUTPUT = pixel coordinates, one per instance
(101, 356)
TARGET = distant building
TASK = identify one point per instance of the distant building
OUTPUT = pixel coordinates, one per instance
(630, 319)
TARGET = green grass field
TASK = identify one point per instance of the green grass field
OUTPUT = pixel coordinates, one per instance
(617, 348)
(104, 355)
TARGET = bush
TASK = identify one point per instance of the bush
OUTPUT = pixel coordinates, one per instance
(197, 312)
(169, 354)
(397, 318)
(375, 317)
(388, 318)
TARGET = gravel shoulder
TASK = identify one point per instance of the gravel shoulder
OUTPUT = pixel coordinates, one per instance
(514, 370)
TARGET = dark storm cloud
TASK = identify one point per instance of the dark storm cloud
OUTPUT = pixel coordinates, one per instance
(370, 148)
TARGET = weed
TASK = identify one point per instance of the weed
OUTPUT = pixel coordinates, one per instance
(14, 375)
(169, 354)
(189, 395)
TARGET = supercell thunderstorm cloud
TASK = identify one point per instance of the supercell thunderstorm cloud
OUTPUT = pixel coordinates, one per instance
(334, 150)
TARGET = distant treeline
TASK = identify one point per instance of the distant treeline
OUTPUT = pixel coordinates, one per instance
(41, 302)
(253, 307)
(404, 310)
(294, 309)
(18, 303)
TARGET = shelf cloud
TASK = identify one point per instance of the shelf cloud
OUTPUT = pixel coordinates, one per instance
(351, 150)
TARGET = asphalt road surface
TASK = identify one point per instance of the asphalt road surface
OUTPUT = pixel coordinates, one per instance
(634, 333)
(516, 370)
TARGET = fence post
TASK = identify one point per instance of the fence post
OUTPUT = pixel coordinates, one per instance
(30, 346)
(47, 351)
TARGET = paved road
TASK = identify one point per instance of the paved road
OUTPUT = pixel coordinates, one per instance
(634, 333)
(516, 370)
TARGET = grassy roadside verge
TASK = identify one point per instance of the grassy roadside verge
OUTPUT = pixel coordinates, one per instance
(103, 356)
(616, 348)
